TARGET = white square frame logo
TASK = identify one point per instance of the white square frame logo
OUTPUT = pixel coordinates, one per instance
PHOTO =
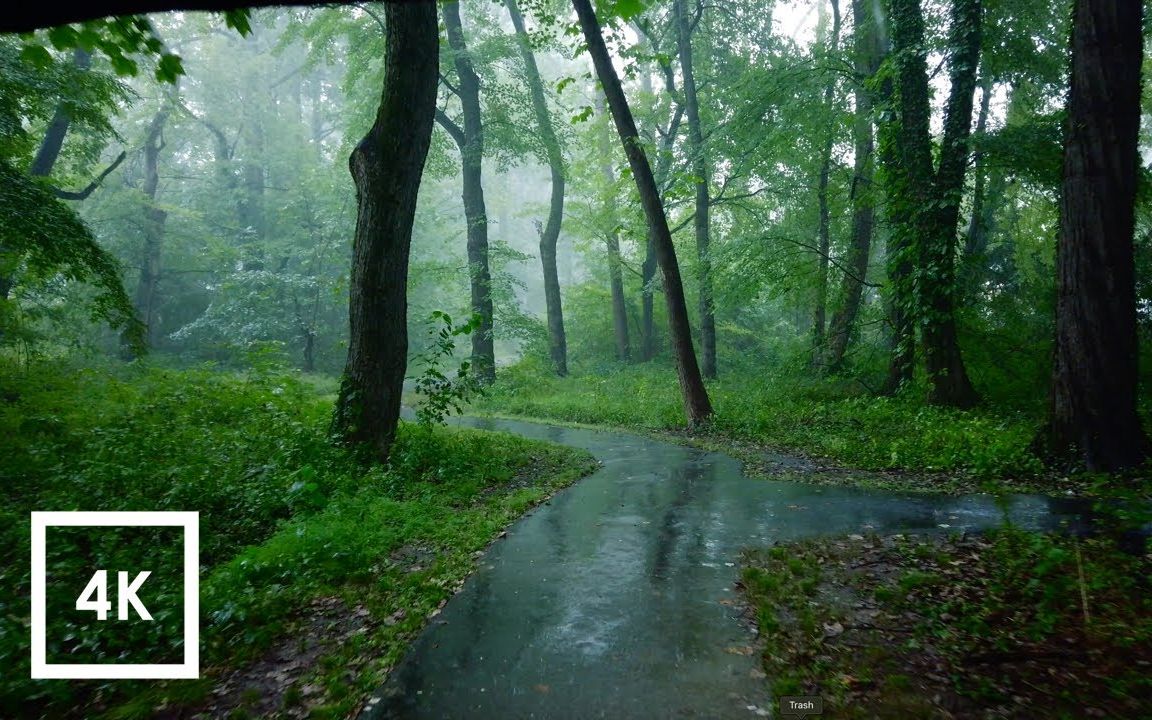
(189, 669)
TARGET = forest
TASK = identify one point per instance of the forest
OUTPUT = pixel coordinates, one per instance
(578, 358)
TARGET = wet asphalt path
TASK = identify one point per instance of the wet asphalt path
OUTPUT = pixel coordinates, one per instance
(611, 601)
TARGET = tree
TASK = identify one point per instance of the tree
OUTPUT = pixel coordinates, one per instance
(470, 140)
(557, 342)
(868, 54)
(664, 138)
(145, 299)
(612, 240)
(1094, 381)
(386, 166)
(697, 406)
(823, 229)
(925, 198)
(701, 178)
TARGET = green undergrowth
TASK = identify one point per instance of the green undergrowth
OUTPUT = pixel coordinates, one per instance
(1013, 624)
(297, 540)
(830, 420)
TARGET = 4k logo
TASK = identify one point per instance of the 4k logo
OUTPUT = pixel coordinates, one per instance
(98, 586)
(129, 583)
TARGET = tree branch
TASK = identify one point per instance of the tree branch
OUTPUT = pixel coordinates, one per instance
(453, 129)
(82, 194)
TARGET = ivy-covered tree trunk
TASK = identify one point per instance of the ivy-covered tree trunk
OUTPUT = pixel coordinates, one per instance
(898, 248)
(697, 406)
(702, 173)
(612, 240)
(557, 341)
(823, 229)
(386, 167)
(145, 298)
(926, 202)
(1094, 384)
(868, 54)
(471, 141)
(947, 375)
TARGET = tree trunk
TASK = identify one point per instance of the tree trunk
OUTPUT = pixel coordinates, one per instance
(947, 376)
(823, 230)
(989, 186)
(309, 351)
(868, 56)
(53, 142)
(697, 407)
(663, 167)
(250, 201)
(557, 341)
(1094, 384)
(46, 156)
(702, 173)
(897, 261)
(386, 167)
(612, 238)
(926, 202)
(475, 213)
(145, 300)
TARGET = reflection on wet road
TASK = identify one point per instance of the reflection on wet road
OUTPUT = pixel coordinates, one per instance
(610, 601)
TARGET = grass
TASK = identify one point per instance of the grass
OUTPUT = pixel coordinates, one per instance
(1013, 624)
(299, 544)
(915, 446)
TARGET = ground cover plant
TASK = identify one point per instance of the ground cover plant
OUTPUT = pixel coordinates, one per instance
(1010, 624)
(920, 446)
(302, 547)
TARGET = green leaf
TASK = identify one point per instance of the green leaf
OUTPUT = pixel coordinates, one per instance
(123, 65)
(37, 55)
(239, 20)
(627, 9)
(583, 116)
(63, 37)
(169, 68)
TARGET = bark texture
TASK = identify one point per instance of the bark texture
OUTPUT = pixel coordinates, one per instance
(697, 406)
(1095, 376)
(470, 138)
(386, 166)
(557, 340)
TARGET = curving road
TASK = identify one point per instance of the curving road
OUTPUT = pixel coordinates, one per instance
(613, 600)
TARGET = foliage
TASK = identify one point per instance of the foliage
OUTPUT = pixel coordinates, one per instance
(442, 394)
(285, 516)
(119, 38)
(825, 418)
(48, 240)
(30, 93)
